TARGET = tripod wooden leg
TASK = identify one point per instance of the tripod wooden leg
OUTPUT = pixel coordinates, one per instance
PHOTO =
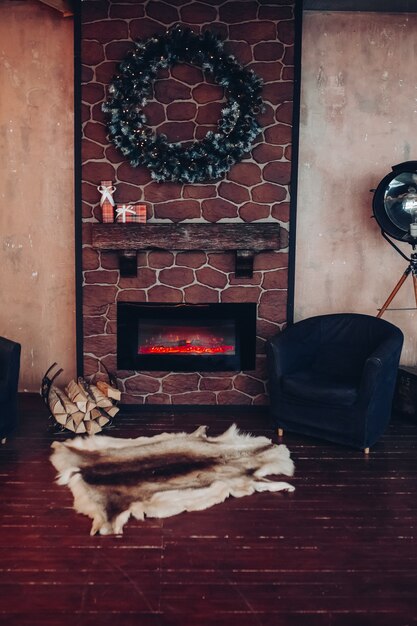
(395, 291)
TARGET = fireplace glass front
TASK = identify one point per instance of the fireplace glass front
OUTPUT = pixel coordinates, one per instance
(182, 337)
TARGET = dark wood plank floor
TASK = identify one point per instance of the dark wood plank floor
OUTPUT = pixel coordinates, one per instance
(340, 551)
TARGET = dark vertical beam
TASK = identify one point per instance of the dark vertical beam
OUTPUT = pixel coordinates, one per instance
(298, 23)
(77, 190)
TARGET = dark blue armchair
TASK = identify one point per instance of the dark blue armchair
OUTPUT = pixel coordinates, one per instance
(333, 377)
(9, 378)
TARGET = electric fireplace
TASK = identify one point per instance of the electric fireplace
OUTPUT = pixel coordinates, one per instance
(186, 337)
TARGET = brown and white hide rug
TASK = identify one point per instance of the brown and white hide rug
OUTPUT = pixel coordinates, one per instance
(112, 479)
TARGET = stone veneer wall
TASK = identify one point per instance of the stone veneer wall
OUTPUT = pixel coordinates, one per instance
(260, 35)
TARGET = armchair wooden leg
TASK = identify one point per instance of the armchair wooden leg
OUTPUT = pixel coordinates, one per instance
(366, 451)
(3, 441)
(280, 432)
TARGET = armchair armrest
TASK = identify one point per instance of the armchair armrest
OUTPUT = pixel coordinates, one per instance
(380, 370)
(9, 367)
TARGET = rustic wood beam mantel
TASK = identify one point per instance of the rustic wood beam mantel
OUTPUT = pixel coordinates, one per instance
(244, 239)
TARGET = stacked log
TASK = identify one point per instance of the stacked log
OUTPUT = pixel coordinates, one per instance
(83, 407)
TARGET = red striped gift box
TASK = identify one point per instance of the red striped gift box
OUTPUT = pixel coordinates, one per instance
(131, 213)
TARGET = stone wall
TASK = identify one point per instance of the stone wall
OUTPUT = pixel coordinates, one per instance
(186, 105)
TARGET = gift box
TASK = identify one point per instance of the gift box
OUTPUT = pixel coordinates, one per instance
(131, 213)
(107, 190)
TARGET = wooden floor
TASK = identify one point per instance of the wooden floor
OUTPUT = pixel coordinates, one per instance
(340, 551)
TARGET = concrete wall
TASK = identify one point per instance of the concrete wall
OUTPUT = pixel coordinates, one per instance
(36, 187)
(358, 118)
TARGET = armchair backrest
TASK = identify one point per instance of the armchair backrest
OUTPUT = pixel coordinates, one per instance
(9, 365)
(343, 341)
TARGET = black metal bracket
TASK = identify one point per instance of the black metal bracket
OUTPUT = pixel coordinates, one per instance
(128, 263)
(244, 263)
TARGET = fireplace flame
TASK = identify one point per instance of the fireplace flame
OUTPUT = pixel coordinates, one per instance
(186, 349)
(186, 340)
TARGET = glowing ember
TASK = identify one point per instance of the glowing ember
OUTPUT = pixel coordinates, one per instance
(186, 349)
(186, 340)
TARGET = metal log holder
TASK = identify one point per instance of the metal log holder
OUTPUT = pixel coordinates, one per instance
(49, 378)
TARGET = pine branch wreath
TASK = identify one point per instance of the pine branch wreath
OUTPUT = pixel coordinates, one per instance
(199, 161)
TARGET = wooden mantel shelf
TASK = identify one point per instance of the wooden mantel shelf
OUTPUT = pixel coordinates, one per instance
(245, 239)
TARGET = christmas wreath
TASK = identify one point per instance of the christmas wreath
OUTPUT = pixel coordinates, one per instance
(198, 161)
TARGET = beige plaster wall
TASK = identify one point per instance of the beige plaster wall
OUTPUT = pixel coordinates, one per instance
(358, 118)
(36, 187)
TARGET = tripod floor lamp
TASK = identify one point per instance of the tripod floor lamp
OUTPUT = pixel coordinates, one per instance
(395, 209)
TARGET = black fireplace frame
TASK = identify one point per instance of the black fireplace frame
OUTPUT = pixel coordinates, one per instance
(129, 314)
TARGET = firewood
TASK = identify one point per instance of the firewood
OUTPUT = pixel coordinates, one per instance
(70, 425)
(108, 390)
(95, 413)
(80, 429)
(91, 403)
(102, 421)
(76, 394)
(112, 410)
(92, 427)
(69, 406)
(101, 400)
(57, 408)
(78, 417)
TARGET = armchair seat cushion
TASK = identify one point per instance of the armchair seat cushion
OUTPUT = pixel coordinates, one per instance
(311, 386)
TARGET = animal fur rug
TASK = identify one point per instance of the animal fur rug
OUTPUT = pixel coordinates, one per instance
(112, 479)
